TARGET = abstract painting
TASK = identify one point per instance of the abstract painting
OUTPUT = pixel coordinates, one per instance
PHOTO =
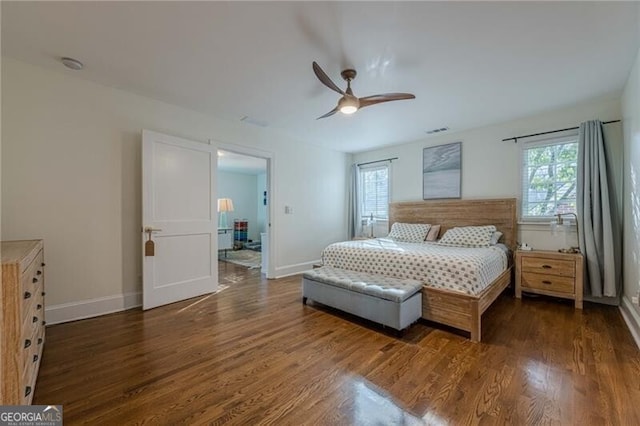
(441, 167)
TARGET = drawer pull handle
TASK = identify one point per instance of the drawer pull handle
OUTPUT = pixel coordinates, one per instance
(27, 391)
(547, 266)
(35, 319)
(35, 358)
(39, 340)
(39, 306)
(27, 295)
(44, 323)
(43, 264)
(27, 343)
(34, 280)
(43, 293)
(546, 282)
(39, 273)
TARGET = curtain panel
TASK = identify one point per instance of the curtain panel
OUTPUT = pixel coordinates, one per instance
(600, 235)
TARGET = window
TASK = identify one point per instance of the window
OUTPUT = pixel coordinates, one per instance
(374, 191)
(549, 177)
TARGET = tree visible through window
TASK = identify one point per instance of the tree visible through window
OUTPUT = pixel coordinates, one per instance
(374, 191)
(549, 177)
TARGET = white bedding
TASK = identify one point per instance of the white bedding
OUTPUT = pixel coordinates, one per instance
(466, 270)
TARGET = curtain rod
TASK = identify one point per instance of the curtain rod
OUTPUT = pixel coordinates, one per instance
(515, 139)
(377, 161)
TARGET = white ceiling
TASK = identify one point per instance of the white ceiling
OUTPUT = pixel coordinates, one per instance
(469, 64)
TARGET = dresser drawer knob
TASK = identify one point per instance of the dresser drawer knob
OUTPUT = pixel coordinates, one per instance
(546, 282)
(43, 293)
(39, 273)
(44, 323)
(27, 391)
(34, 280)
(39, 340)
(27, 343)
(27, 295)
(35, 319)
(547, 266)
(39, 306)
(43, 264)
(35, 358)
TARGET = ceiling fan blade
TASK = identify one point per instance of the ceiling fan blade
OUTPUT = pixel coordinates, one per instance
(330, 113)
(324, 79)
(385, 97)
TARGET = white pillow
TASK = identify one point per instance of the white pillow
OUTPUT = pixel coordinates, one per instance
(495, 237)
(468, 236)
(409, 232)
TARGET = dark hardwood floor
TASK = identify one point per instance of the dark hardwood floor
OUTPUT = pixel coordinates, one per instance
(253, 354)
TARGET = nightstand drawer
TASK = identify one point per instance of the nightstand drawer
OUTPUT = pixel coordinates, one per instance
(541, 265)
(551, 283)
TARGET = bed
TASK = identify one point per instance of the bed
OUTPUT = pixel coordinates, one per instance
(460, 283)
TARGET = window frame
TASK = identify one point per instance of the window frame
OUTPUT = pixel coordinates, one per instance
(361, 191)
(563, 138)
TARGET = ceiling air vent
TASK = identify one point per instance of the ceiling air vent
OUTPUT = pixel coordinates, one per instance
(441, 129)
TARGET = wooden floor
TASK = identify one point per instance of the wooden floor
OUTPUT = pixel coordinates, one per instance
(253, 354)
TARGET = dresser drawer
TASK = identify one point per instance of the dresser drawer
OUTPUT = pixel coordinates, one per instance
(564, 268)
(550, 283)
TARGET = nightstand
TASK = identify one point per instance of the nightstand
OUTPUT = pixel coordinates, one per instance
(550, 273)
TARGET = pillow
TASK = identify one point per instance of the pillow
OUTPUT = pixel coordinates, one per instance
(434, 231)
(469, 236)
(409, 232)
(495, 237)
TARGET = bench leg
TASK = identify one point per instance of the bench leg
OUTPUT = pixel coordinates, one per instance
(304, 300)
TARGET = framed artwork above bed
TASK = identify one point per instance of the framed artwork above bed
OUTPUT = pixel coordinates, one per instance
(441, 171)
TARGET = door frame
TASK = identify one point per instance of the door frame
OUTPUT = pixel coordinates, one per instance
(270, 219)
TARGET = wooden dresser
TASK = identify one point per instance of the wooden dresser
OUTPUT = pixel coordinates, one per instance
(550, 273)
(21, 319)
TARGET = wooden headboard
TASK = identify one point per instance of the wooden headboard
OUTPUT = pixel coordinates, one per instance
(449, 213)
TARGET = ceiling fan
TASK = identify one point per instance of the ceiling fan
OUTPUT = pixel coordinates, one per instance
(348, 103)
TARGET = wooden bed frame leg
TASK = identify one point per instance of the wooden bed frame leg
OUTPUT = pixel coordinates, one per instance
(476, 323)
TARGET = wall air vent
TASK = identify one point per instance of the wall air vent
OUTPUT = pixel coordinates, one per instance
(441, 129)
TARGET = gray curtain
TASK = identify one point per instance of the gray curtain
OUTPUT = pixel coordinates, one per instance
(599, 235)
(354, 219)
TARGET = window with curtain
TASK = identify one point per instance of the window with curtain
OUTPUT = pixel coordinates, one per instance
(549, 177)
(374, 191)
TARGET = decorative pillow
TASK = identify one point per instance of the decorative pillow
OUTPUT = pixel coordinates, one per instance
(495, 237)
(469, 236)
(409, 232)
(434, 231)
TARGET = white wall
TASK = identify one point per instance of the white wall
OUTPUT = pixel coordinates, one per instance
(490, 167)
(631, 248)
(241, 188)
(71, 175)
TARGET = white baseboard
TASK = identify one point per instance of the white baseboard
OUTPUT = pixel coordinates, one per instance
(288, 270)
(90, 308)
(632, 318)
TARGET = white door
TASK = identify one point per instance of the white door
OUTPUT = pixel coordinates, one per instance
(177, 203)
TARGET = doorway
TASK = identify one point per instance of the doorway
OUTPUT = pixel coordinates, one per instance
(243, 213)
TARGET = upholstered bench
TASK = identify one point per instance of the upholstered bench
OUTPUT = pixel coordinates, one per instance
(393, 302)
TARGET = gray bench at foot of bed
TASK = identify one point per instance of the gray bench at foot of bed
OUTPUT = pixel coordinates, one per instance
(393, 302)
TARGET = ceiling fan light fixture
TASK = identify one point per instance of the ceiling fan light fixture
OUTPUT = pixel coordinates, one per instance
(348, 104)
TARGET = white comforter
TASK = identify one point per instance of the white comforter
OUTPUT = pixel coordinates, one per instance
(467, 270)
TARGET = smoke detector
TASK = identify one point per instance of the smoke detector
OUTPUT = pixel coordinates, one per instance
(72, 64)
